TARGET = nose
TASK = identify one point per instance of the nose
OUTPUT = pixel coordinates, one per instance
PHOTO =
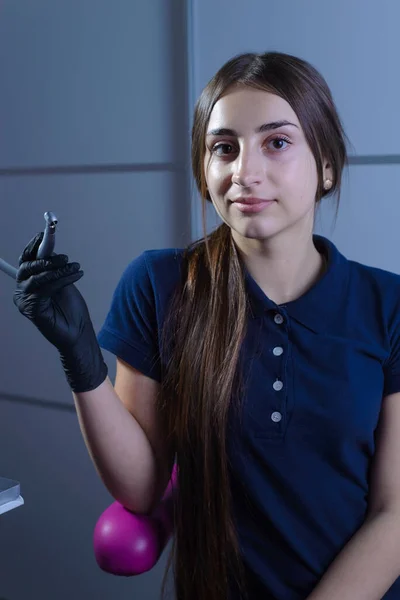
(247, 169)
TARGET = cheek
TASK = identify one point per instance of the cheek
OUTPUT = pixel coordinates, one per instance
(219, 179)
(299, 177)
(214, 172)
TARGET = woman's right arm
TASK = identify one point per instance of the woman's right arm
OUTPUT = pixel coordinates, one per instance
(124, 437)
(120, 424)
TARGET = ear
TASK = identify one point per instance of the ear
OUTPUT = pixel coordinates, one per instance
(327, 171)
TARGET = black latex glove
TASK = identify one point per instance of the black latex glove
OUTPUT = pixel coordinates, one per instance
(45, 294)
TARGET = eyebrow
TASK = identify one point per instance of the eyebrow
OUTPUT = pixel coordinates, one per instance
(261, 129)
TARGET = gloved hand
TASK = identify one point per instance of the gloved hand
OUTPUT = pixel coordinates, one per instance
(45, 294)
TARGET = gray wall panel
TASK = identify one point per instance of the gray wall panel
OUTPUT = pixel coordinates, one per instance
(91, 81)
(355, 46)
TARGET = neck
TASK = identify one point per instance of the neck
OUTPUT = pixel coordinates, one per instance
(285, 269)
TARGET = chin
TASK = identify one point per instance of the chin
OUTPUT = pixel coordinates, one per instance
(257, 231)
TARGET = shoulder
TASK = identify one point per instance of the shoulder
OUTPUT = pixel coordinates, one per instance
(160, 259)
(356, 278)
(152, 276)
(375, 288)
(164, 263)
(374, 278)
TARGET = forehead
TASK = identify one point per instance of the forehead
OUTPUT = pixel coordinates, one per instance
(246, 108)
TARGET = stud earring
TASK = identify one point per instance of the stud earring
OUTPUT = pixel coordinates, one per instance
(327, 184)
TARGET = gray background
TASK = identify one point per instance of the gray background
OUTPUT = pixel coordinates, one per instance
(95, 113)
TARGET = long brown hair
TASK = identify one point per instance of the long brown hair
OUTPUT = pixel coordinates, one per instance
(205, 328)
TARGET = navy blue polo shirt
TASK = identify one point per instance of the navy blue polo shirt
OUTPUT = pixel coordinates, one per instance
(316, 372)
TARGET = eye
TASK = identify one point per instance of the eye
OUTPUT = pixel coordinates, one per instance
(215, 149)
(278, 141)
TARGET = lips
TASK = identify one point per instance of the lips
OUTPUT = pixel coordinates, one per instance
(252, 206)
(252, 200)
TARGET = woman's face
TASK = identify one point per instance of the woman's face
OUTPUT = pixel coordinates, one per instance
(256, 149)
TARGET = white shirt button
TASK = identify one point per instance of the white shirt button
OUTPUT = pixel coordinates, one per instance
(277, 351)
(278, 319)
(276, 417)
(278, 385)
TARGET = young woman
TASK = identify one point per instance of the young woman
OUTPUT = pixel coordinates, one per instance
(259, 358)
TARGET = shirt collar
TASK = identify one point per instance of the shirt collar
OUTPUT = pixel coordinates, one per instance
(321, 305)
